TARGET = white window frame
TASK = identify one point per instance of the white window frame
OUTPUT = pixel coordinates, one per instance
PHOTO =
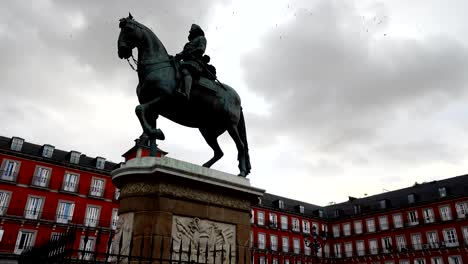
(442, 192)
(30, 213)
(358, 227)
(445, 212)
(285, 244)
(296, 227)
(114, 218)
(260, 218)
(261, 238)
(96, 190)
(16, 144)
(450, 237)
(273, 242)
(360, 248)
(100, 163)
(336, 230)
(401, 243)
(337, 250)
(296, 245)
(21, 244)
(432, 238)
(437, 260)
(70, 186)
(284, 222)
(5, 197)
(465, 234)
(89, 250)
(462, 209)
(404, 261)
(373, 247)
(348, 249)
(416, 241)
(89, 220)
(370, 225)
(454, 259)
(272, 220)
(386, 244)
(428, 215)
(420, 261)
(10, 173)
(41, 176)
(117, 195)
(397, 220)
(347, 229)
(47, 151)
(62, 216)
(383, 222)
(75, 157)
(413, 217)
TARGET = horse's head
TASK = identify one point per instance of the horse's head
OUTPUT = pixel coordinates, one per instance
(129, 37)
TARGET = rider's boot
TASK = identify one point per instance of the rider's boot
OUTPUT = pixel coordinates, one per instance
(187, 83)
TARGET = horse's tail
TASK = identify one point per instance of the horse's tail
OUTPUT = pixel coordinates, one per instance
(243, 135)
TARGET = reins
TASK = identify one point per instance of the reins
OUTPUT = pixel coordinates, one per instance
(135, 68)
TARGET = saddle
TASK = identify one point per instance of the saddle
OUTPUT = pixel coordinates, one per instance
(207, 79)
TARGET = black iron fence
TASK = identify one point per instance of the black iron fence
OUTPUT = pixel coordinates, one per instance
(104, 247)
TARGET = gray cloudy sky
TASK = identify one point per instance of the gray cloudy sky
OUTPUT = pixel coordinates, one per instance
(341, 97)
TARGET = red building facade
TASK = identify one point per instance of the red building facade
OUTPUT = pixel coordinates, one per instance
(44, 191)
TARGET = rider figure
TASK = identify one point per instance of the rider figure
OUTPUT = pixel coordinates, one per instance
(192, 57)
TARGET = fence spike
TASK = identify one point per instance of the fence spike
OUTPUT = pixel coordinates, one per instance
(214, 253)
(180, 251)
(230, 253)
(171, 250)
(237, 255)
(206, 253)
(198, 252)
(222, 253)
(109, 244)
(120, 247)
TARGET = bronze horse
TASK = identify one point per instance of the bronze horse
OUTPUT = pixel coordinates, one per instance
(211, 111)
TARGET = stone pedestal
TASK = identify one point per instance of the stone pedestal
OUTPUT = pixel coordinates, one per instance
(164, 200)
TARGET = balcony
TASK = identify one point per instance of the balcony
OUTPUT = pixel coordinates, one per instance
(8, 175)
(96, 191)
(70, 187)
(32, 214)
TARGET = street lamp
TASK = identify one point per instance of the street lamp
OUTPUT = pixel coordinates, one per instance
(315, 245)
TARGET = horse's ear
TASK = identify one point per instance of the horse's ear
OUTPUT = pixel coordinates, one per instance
(130, 15)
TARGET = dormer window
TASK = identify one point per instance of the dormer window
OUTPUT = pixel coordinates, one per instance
(16, 143)
(411, 198)
(320, 213)
(301, 209)
(357, 209)
(75, 157)
(383, 204)
(442, 192)
(47, 151)
(280, 204)
(100, 163)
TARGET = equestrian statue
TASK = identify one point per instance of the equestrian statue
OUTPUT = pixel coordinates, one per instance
(183, 88)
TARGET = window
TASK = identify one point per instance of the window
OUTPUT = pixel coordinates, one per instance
(373, 246)
(261, 260)
(4, 200)
(274, 242)
(370, 225)
(285, 244)
(383, 222)
(33, 207)
(383, 204)
(436, 260)
(428, 215)
(416, 241)
(296, 245)
(115, 218)
(251, 239)
(24, 241)
(326, 250)
(307, 248)
(397, 221)
(413, 218)
(286, 261)
(284, 222)
(272, 220)
(97, 187)
(41, 176)
(432, 239)
(454, 260)
(347, 229)
(9, 170)
(92, 216)
(358, 227)
(70, 182)
(445, 213)
(261, 240)
(338, 250)
(442, 192)
(411, 198)
(387, 244)
(16, 143)
(301, 209)
(450, 237)
(462, 210)
(65, 212)
(348, 249)
(404, 261)
(465, 234)
(280, 204)
(86, 248)
(320, 213)
(274, 261)
(361, 251)
(117, 195)
(260, 218)
(401, 243)
(252, 216)
(295, 225)
(357, 209)
(100, 163)
(305, 226)
(336, 230)
(47, 151)
(75, 157)
(420, 261)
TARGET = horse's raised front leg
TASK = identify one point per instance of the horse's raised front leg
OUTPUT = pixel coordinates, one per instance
(211, 137)
(240, 150)
(149, 126)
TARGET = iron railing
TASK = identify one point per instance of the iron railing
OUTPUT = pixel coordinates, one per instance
(8, 175)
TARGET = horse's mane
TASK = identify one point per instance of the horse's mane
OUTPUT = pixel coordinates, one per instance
(123, 22)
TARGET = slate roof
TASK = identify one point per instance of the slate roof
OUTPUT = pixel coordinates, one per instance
(292, 206)
(59, 157)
